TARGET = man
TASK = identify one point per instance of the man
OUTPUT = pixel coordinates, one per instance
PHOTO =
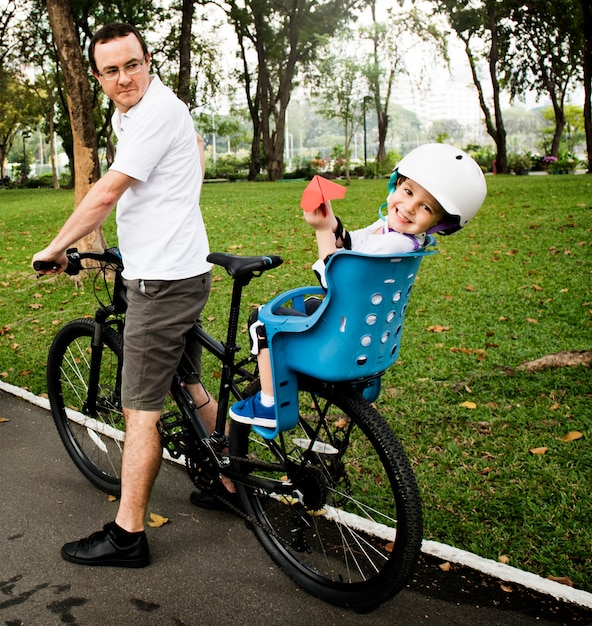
(155, 181)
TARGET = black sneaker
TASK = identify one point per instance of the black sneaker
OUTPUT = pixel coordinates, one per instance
(101, 549)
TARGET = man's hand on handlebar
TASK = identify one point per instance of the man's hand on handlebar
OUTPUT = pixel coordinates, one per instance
(46, 263)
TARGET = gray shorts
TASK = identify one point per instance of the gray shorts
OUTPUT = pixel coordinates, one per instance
(159, 314)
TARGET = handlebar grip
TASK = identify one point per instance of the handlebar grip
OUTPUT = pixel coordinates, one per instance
(72, 268)
(44, 265)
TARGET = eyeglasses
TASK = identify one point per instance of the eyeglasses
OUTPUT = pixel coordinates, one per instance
(131, 68)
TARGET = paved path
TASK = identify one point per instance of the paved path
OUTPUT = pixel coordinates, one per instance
(207, 568)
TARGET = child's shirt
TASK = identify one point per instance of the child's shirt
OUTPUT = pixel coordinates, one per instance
(374, 240)
(369, 241)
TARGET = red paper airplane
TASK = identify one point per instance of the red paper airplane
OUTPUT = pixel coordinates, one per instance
(318, 191)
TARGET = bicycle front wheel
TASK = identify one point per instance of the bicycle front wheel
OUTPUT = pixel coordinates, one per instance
(335, 501)
(93, 437)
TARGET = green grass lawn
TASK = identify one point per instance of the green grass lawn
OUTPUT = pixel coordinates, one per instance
(512, 287)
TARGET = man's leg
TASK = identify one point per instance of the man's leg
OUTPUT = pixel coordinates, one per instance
(205, 403)
(208, 409)
(142, 455)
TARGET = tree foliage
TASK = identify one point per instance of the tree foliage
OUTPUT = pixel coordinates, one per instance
(276, 39)
(546, 54)
(483, 29)
(511, 46)
(19, 111)
(342, 89)
(392, 40)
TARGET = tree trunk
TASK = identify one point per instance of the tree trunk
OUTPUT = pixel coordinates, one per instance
(500, 138)
(86, 161)
(382, 131)
(52, 151)
(184, 82)
(587, 23)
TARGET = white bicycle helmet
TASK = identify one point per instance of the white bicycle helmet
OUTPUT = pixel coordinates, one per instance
(451, 176)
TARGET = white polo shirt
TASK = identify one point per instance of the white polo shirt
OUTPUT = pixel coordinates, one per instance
(160, 228)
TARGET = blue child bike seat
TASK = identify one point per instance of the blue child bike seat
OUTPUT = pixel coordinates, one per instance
(353, 336)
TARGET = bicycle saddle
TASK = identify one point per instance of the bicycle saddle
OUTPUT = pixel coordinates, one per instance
(241, 266)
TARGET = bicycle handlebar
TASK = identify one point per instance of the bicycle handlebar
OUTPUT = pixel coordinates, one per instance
(75, 258)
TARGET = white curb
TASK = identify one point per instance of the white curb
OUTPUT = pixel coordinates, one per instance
(433, 548)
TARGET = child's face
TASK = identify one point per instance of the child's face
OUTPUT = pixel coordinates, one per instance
(412, 209)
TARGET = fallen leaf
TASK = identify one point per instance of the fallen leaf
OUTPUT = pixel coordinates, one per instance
(111, 498)
(468, 405)
(445, 567)
(506, 588)
(438, 328)
(540, 450)
(574, 435)
(564, 580)
(4, 419)
(503, 558)
(157, 520)
(532, 320)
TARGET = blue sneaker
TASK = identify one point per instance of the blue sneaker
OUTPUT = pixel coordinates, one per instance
(251, 411)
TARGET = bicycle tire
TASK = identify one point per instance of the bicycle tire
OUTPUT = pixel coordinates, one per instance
(94, 442)
(350, 532)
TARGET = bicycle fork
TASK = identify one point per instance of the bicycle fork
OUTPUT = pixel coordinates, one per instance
(96, 355)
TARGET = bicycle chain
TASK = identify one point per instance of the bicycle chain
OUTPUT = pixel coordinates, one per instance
(193, 460)
(242, 514)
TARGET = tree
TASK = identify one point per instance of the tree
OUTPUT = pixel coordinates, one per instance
(482, 28)
(342, 88)
(282, 37)
(86, 161)
(19, 110)
(546, 54)
(185, 57)
(587, 75)
(391, 41)
(573, 134)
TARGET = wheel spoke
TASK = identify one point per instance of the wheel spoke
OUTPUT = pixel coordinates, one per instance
(347, 488)
(95, 441)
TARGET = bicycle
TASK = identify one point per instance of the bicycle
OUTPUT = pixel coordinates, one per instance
(329, 494)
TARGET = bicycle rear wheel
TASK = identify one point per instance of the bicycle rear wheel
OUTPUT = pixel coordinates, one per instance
(335, 500)
(93, 441)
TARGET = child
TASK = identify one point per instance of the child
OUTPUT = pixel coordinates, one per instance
(435, 188)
